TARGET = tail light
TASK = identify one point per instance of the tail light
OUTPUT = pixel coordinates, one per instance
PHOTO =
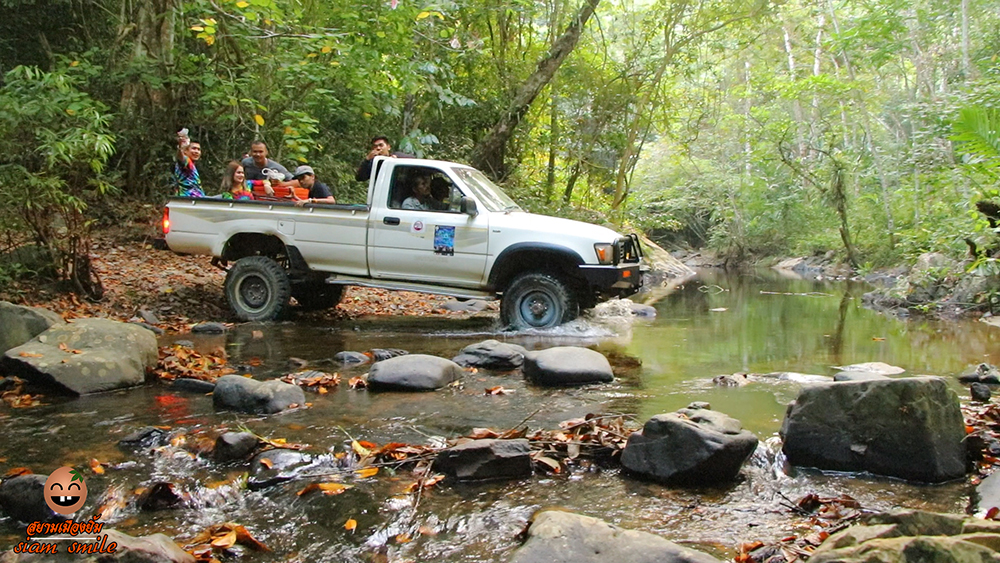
(166, 220)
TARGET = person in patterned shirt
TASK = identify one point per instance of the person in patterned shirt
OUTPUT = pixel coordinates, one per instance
(186, 179)
(234, 185)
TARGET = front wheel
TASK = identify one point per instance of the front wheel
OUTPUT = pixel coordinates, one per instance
(257, 289)
(537, 300)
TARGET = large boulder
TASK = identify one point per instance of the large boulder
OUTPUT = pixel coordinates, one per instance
(155, 548)
(909, 428)
(562, 537)
(243, 394)
(567, 365)
(21, 324)
(477, 460)
(491, 354)
(23, 499)
(413, 372)
(913, 536)
(85, 356)
(690, 447)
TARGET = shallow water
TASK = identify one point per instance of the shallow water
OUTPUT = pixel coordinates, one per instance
(715, 325)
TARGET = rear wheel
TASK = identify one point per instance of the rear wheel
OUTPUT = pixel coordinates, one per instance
(257, 289)
(538, 300)
(317, 296)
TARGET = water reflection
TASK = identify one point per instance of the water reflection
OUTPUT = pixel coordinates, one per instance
(715, 325)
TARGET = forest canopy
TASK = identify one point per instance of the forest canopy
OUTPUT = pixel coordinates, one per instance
(751, 127)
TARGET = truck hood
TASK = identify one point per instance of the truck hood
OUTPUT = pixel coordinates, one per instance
(562, 230)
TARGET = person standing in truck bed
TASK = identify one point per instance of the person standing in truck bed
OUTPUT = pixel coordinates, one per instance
(380, 147)
(254, 165)
(186, 179)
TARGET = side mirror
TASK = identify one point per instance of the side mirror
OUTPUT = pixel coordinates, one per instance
(469, 206)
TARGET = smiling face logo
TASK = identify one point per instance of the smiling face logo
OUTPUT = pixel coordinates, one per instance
(65, 491)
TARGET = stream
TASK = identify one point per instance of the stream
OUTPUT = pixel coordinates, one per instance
(717, 324)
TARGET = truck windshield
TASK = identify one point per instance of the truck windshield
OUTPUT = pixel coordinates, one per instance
(486, 191)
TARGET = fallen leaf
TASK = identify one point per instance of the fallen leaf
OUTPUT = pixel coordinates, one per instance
(30, 355)
(257, 334)
(366, 472)
(225, 541)
(351, 524)
(426, 531)
(360, 449)
(15, 471)
(266, 462)
(403, 538)
(96, 467)
(326, 488)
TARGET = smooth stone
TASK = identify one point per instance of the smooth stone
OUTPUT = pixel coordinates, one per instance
(193, 385)
(478, 460)
(566, 366)
(242, 394)
(233, 446)
(491, 354)
(209, 328)
(21, 324)
(413, 372)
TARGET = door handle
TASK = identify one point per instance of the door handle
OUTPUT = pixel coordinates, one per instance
(391, 220)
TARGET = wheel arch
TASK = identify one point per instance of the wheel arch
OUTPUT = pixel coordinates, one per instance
(241, 245)
(533, 256)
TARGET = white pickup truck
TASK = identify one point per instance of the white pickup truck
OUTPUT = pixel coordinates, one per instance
(471, 241)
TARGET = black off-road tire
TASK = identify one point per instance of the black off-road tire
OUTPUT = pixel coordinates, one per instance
(538, 300)
(257, 289)
(317, 296)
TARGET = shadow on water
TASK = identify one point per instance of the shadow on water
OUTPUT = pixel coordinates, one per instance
(714, 325)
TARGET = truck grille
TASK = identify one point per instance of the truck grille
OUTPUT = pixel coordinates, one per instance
(627, 249)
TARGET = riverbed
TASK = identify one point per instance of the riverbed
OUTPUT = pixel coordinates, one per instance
(716, 324)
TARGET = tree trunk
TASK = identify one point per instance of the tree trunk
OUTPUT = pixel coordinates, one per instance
(489, 152)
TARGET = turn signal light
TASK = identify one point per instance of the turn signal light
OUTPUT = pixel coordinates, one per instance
(166, 221)
(627, 274)
(605, 253)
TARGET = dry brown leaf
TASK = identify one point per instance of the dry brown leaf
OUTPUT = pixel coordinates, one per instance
(351, 524)
(403, 538)
(326, 488)
(426, 531)
(30, 355)
(15, 471)
(266, 462)
(226, 540)
(360, 449)
(96, 467)
(366, 472)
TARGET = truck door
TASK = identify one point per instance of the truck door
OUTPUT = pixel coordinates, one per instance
(420, 234)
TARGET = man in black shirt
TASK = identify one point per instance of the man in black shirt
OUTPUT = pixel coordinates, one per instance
(318, 191)
(380, 147)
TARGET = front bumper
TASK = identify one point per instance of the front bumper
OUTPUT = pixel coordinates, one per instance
(613, 281)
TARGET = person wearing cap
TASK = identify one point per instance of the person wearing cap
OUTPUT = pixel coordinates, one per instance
(318, 191)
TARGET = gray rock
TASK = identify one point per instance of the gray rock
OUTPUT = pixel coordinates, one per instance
(147, 437)
(470, 306)
(348, 358)
(795, 377)
(986, 495)
(96, 355)
(491, 354)
(209, 328)
(983, 373)
(23, 499)
(193, 385)
(233, 446)
(562, 537)
(282, 465)
(148, 316)
(689, 447)
(247, 395)
(477, 460)
(699, 405)
(379, 354)
(641, 310)
(734, 380)
(567, 365)
(857, 376)
(909, 428)
(154, 329)
(21, 324)
(980, 392)
(413, 372)
(155, 548)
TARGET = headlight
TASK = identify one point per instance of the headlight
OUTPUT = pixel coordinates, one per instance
(605, 252)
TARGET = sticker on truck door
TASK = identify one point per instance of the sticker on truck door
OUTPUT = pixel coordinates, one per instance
(444, 240)
(417, 227)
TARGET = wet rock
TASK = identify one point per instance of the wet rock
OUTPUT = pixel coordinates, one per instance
(23, 499)
(161, 495)
(562, 537)
(913, 536)
(795, 377)
(699, 405)
(734, 380)
(193, 385)
(873, 367)
(154, 329)
(351, 358)
(644, 311)
(984, 373)
(380, 354)
(276, 466)
(233, 446)
(148, 437)
(85, 356)
(491, 354)
(689, 447)
(567, 365)
(209, 328)
(470, 306)
(155, 548)
(148, 316)
(857, 376)
(909, 428)
(478, 460)
(414, 372)
(980, 392)
(21, 324)
(247, 395)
